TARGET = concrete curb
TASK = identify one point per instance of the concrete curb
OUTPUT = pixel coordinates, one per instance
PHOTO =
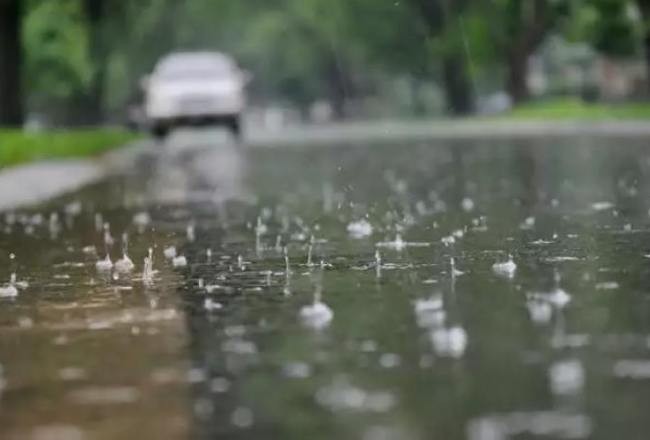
(34, 183)
(38, 182)
(446, 130)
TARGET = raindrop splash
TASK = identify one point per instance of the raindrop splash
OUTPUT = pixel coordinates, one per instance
(179, 261)
(124, 264)
(309, 252)
(170, 252)
(9, 290)
(287, 267)
(148, 271)
(452, 268)
(377, 264)
(505, 269)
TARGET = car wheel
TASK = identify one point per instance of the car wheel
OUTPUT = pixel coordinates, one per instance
(234, 125)
(160, 131)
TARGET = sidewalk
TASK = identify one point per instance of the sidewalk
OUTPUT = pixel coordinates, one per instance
(37, 182)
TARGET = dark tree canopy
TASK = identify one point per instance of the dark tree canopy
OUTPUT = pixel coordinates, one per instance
(11, 60)
(80, 61)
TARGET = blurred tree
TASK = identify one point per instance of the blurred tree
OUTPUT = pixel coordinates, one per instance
(84, 57)
(619, 29)
(146, 30)
(57, 66)
(527, 24)
(95, 13)
(296, 47)
(441, 19)
(388, 39)
(323, 26)
(88, 55)
(518, 28)
(319, 52)
(120, 34)
(11, 60)
(612, 32)
(644, 9)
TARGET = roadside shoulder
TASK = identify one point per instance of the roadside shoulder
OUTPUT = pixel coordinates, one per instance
(37, 182)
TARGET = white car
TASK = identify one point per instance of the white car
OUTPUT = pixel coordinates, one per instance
(195, 88)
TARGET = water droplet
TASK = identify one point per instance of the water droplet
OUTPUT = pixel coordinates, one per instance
(505, 269)
(242, 417)
(179, 261)
(566, 377)
(360, 229)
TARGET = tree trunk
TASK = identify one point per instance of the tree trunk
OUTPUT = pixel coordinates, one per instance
(518, 76)
(644, 8)
(337, 84)
(93, 107)
(458, 89)
(439, 17)
(533, 28)
(646, 53)
(11, 105)
(418, 106)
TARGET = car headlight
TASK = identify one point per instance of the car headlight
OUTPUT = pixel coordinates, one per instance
(160, 103)
(227, 88)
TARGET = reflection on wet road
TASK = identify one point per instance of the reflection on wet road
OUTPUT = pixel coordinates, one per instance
(479, 290)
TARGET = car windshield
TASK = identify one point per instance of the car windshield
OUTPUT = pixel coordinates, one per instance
(189, 74)
(181, 67)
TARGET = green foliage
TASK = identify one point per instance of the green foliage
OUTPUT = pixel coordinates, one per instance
(288, 55)
(614, 31)
(56, 50)
(389, 34)
(58, 63)
(302, 50)
(19, 147)
(577, 109)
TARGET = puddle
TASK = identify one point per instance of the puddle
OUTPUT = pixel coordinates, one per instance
(459, 290)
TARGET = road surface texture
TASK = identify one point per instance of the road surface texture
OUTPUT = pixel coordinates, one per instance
(479, 288)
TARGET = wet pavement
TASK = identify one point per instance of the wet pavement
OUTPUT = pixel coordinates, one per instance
(454, 289)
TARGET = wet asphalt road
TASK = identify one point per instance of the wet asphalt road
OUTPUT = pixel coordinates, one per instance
(319, 298)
